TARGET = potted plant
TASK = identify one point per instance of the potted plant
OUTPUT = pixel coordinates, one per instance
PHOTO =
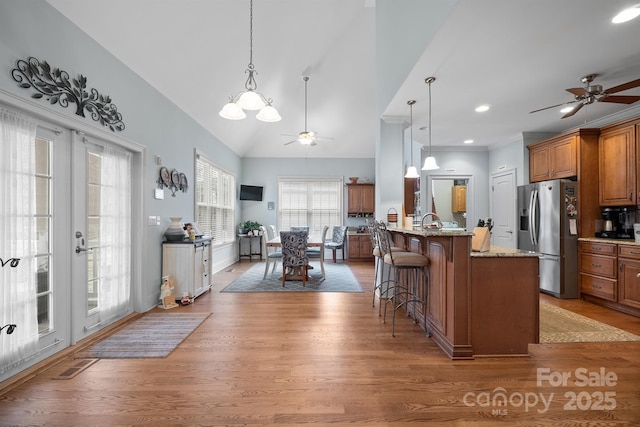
(250, 227)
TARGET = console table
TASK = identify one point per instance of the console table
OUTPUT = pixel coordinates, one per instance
(249, 253)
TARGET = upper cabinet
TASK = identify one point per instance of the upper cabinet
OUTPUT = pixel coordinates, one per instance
(618, 150)
(553, 159)
(571, 155)
(360, 199)
(458, 198)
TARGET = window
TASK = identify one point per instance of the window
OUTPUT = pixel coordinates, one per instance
(308, 201)
(215, 196)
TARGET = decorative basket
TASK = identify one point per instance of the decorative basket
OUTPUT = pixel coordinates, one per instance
(392, 216)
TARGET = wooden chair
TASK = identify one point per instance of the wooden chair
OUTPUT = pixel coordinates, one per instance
(272, 256)
(338, 237)
(317, 253)
(295, 262)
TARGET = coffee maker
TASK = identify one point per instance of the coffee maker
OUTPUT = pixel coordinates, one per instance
(617, 223)
(626, 219)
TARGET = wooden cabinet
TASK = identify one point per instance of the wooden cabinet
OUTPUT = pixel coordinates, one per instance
(359, 247)
(188, 265)
(597, 270)
(629, 275)
(360, 200)
(553, 159)
(572, 154)
(458, 198)
(610, 275)
(618, 168)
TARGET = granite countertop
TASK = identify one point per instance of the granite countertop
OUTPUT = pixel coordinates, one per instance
(499, 252)
(434, 232)
(614, 241)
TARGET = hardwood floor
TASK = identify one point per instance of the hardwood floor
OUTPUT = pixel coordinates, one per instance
(290, 359)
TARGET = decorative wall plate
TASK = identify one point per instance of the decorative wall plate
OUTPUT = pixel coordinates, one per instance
(175, 178)
(165, 176)
(183, 182)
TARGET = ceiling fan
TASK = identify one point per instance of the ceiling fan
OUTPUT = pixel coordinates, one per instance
(594, 93)
(305, 137)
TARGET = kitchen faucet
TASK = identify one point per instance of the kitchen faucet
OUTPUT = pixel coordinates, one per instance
(435, 218)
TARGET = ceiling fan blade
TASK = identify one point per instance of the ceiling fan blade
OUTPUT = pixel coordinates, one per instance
(325, 137)
(577, 91)
(575, 110)
(624, 86)
(553, 106)
(286, 134)
(621, 99)
(290, 142)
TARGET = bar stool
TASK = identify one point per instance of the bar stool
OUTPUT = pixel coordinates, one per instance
(373, 229)
(412, 266)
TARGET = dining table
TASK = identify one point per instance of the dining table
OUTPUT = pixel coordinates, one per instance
(312, 242)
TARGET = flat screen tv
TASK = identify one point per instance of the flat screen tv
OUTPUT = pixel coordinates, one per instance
(251, 192)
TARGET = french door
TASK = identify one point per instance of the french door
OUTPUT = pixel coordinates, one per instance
(76, 210)
(101, 233)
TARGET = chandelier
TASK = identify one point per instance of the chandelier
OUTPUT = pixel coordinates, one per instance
(250, 98)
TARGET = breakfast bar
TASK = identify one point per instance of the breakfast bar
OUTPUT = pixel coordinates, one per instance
(479, 303)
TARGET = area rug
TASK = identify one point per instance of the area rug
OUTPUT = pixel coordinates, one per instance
(338, 278)
(152, 335)
(558, 325)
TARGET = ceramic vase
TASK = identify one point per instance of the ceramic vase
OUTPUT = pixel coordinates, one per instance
(175, 232)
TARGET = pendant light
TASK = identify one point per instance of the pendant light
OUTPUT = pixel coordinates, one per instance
(412, 172)
(250, 99)
(430, 161)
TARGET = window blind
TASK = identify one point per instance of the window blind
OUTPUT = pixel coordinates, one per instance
(309, 201)
(215, 194)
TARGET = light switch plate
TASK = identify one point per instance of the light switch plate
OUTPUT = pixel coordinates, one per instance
(159, 193)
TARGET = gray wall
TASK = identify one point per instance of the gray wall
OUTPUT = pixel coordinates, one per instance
(34, 28)
(265, 172)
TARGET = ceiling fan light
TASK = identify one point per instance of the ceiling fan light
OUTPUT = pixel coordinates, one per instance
(626, 15)
(231, 111)
(430, 164)
(567, 109)
(412, 172)
(250, 100)
(268, 114)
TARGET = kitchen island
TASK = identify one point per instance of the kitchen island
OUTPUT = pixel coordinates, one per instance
(479, 303)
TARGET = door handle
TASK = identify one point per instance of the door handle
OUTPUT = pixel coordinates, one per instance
(79, 249)
(509, 231)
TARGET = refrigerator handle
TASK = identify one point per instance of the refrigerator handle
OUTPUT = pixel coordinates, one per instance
(534, 217)
(530, 217)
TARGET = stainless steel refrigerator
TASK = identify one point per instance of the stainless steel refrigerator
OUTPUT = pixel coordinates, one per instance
(548, 218)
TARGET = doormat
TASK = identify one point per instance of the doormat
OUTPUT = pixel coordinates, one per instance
(152, 335)
(338, 278)
(558, 325)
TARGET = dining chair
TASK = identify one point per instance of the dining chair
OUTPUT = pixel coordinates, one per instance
(338, 238)
(273, 230)
(295, 261)
(300, 228)
(317, 253)
(272, 256)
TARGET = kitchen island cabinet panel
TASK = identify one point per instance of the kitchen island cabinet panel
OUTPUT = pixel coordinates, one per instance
(479, 304)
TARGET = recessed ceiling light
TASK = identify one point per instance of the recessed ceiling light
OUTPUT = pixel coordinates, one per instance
(468, 141)
(566, 109)
(627, 15)
(482, 108)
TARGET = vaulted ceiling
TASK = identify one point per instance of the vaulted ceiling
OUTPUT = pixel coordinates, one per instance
(516, 56)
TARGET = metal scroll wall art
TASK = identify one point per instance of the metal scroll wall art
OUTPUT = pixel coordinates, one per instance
(55, 86)
(173, 180)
